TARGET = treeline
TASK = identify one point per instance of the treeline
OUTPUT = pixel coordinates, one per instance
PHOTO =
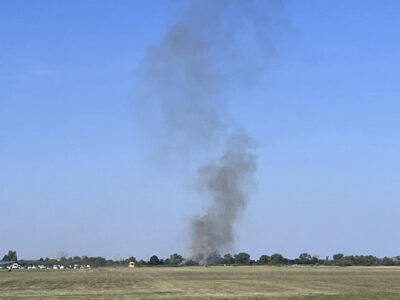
(241, 258)
(93, 262)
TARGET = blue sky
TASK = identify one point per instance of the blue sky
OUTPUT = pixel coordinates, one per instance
(75, 169)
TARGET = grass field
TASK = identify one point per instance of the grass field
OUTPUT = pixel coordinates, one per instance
(201, 282)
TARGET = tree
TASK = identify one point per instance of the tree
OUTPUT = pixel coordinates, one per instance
(315, 259)
(141, 263)
(97, 261)
(370, 260)
(277, 259)
(154, 260)
(132, 258)
(84, 260)
(191, 263)
(386, 261)
(338, 259)
(264, 260)
(242, 258)
(175, 259)
(10, 256)
(63, 260)
(228, 259)
(305, 258)
(349, 260)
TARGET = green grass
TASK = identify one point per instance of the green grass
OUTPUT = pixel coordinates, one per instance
(207, 283)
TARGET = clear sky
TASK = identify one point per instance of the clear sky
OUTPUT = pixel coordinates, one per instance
(75, 173)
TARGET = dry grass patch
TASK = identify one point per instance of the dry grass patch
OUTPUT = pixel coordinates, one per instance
(204, 283)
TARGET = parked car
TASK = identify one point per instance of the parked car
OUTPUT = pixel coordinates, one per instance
(15, 266)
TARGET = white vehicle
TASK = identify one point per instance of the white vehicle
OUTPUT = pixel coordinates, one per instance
(61, 267)
(55, 267)
(15, 266)
(41, 267)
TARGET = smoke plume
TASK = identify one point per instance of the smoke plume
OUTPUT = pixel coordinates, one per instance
(205, 52)
(227, 183)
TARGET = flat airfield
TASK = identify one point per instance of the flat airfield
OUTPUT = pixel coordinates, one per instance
(247, 282)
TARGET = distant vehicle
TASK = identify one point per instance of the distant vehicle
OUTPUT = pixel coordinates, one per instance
(10, 265)
(55, 267)
(15, 266)
(41, 267)
(131, 264)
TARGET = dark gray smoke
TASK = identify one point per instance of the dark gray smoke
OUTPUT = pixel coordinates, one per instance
(205, 52)
(227, 183)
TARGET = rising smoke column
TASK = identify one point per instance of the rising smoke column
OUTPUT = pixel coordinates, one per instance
(227, 183)
(185, 75)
